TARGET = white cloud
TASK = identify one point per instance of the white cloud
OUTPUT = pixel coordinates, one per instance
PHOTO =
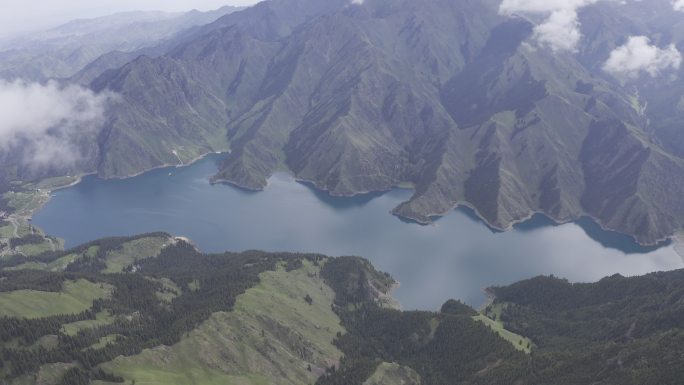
(639, 55)
(561, 28)
(509, 7)
(560, 31)
(678, 5)
(46, 121)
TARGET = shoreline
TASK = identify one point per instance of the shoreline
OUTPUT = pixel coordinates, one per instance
(509, 226)
(165, 165)
(79, 177)
(46, 193)
(466, 204)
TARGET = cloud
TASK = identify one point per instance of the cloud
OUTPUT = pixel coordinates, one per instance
(561, 28)
(639, 55)
(560, 31)
(45, 122)
(509, 7)
(678, 5)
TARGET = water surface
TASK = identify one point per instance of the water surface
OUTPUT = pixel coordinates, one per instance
(455, 258)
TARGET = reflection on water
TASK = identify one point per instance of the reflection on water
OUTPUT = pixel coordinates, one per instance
(455, 258)
(340, 203)
(615, 240)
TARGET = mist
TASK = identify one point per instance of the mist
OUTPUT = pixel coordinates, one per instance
(45, 121)
(25, 16)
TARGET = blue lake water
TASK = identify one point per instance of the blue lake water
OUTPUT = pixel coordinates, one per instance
(456, 257)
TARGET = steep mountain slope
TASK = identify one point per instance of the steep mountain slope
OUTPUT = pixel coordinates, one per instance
(183, 101)
(447, 96)
(371, 116)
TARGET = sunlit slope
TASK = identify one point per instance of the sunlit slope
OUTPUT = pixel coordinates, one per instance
(273, 335)
(75, 297)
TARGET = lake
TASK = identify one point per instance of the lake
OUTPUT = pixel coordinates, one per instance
(456, 257)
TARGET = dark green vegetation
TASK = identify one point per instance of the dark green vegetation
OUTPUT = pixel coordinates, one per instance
(29, 239)
(442, 95)
(616, 331)
(443, 348)
(183, 317)
(203, 285)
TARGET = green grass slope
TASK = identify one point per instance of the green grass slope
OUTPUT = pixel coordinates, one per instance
(134, 250)
(272, 333)
(102, 318)
(75, 297)
(110, 255)
(519, 342)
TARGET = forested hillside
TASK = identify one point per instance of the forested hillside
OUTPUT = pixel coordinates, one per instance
(152, 309)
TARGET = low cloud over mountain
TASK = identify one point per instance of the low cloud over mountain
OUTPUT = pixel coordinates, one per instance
(46, 121)
(561, 28)
(638, 55)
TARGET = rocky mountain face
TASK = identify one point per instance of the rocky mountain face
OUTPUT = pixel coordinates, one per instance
(450, 97)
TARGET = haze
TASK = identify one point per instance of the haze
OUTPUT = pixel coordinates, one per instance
(25, 16)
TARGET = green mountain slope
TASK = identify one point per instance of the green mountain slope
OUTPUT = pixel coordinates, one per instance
(616, 331)
(183, 317)
(271, 333)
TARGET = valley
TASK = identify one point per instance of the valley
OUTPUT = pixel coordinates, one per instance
(369, 97)
(343, 192)
(458, 255)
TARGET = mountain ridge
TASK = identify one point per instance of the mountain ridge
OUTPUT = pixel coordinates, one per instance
(451, 98)
(158, 310)
(366, 98)
(63, 51)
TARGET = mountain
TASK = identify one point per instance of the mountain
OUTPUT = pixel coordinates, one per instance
(450, 97)
(151, 308)
(447, 96)
(63, 51)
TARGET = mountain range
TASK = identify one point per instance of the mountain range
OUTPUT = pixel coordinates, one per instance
(453, 98)
(63, 51)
